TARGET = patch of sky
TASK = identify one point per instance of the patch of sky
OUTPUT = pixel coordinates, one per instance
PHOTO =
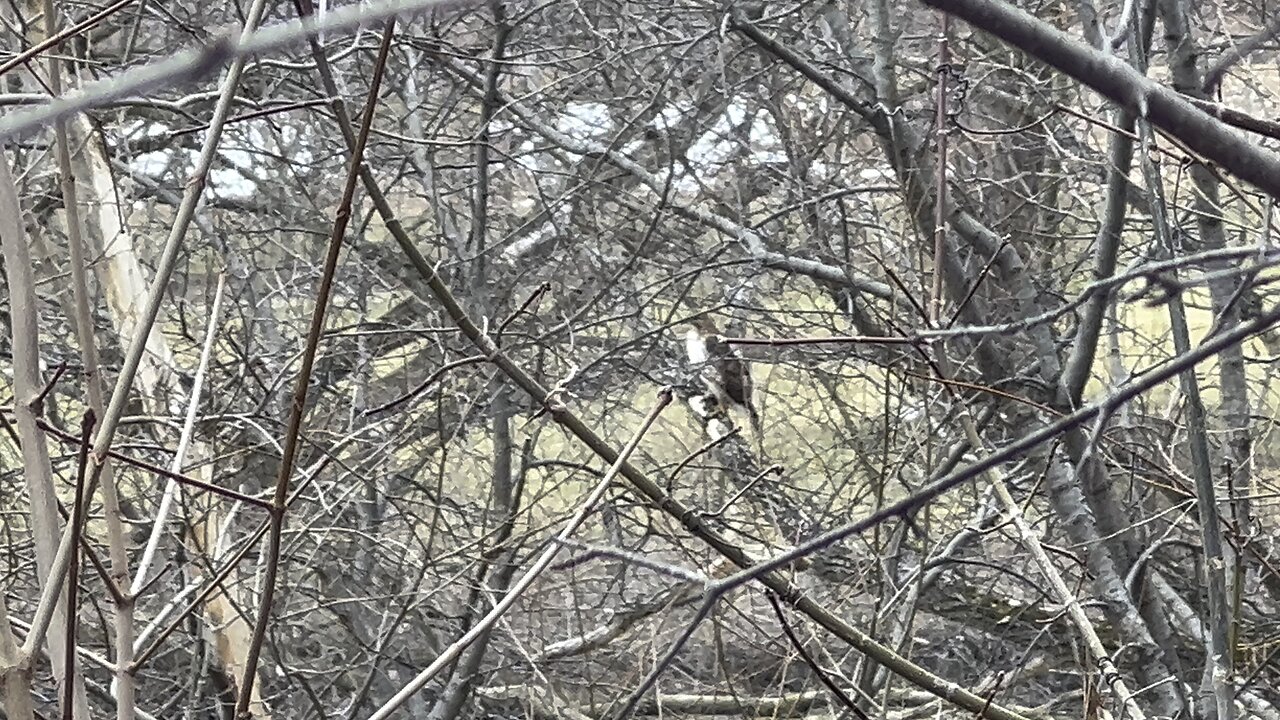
(585, 121)
(238, 159)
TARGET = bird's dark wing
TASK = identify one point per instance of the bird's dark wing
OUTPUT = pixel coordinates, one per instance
(736, 379)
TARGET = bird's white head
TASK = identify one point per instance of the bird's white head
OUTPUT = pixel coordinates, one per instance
(695, 345)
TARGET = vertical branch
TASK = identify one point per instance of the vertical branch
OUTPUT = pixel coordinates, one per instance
(73, 588)
(297, 409)
(488, 108)
(497, 565)
(884, 80)
(1217, 681)
(37, 469)
(940, 201)
(86, 340)
(125, 652)
(1075, 372)
(934, 308)
(1225, 292)
(184, 441)
(461, 679)
(15, 672)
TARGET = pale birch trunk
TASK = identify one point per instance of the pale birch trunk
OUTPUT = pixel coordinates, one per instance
(124, 282)
(27, 385)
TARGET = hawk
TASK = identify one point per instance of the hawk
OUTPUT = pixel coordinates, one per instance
(723, 371)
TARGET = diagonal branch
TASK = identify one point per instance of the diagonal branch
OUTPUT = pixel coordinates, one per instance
(297, 410)
(195, 64)
(1112, 77)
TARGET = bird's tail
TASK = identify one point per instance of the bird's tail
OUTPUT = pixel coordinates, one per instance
(757, 428)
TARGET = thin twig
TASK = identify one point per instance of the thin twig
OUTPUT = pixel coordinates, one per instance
(184, 440)
(38, 401)
(706, 447)
(591, 552)
(936, 297)
(228, 493)
(724, 507)
(422, 386)
(833, 340)
(73, 590)
(255, 115)
(534, 297)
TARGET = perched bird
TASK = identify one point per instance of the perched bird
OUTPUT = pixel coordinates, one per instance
(724, 372)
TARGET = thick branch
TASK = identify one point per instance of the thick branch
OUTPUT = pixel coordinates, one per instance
(1123, 85)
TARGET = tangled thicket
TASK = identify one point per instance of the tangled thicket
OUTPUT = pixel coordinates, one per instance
(582, 178)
